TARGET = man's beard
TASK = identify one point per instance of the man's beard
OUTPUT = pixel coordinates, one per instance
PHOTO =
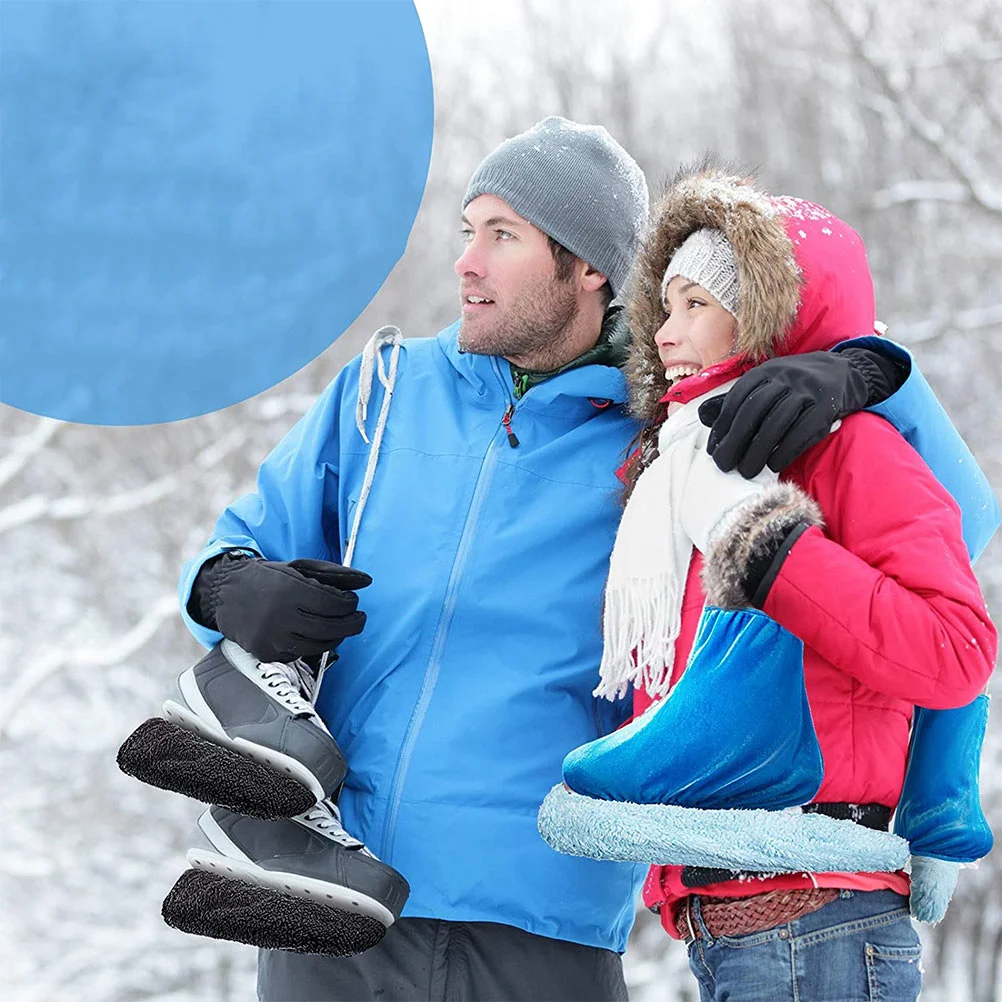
(536, 327)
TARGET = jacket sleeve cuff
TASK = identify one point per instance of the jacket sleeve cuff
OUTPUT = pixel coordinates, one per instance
(768, 577)
(743, 560)
(882, 374)
(206, 636)
(204, 599)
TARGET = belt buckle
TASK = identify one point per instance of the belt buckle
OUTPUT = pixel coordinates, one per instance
(690, 933)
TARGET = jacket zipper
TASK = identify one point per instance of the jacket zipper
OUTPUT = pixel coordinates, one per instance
(506, 421)
(431, 672)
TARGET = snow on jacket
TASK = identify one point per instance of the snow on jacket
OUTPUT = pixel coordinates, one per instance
(884, 598)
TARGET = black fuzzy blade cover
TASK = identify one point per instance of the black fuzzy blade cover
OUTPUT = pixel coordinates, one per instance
(167, 756)
(209, 904)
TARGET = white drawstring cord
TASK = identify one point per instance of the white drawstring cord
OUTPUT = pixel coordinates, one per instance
(385, 335)
(372, 359)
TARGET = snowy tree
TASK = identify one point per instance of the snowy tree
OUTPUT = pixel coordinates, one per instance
(888, 113)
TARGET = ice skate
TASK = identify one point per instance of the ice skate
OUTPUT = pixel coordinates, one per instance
(675, 787)
(240, 733)
(301, 884)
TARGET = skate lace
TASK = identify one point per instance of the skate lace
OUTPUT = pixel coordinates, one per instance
(326, 819)
(289, 683)
(372, 357)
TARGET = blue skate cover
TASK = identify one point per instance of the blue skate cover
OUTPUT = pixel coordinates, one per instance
(734, 732)
(940, 807)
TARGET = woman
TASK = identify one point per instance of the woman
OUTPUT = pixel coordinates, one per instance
(858, 553)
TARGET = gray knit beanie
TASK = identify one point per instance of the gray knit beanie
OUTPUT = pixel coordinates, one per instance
(576, 184)
(706, 258)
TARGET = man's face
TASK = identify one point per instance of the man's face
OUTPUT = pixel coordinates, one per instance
(513, 303)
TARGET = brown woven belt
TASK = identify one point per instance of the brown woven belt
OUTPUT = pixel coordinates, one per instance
(738, 916)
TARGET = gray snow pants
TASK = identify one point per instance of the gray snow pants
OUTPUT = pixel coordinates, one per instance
(432, 960)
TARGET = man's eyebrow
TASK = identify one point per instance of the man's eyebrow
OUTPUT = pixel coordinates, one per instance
(494, 221)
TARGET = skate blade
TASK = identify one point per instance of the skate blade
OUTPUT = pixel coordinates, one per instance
(208, 904)
(172, 758)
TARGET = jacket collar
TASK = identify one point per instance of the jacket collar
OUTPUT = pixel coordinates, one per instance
(612, 349)
(595, 374)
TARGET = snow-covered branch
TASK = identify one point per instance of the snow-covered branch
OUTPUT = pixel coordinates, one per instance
(904, 192)
(288, 403)
(23, 449)
(45, 664)
(963, 320)
(40, 506)
(932, 133)
(934, 59)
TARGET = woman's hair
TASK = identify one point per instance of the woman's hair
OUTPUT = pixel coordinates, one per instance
(641, 452)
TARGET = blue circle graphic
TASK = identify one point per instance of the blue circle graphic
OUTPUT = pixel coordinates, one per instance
(197, 198)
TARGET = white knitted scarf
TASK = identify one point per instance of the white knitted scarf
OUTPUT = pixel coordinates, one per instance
(680, 497)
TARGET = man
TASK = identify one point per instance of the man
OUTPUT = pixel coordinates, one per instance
(487, 526)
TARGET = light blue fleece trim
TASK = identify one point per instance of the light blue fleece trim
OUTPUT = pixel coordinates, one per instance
(932, 884)
(769, 841)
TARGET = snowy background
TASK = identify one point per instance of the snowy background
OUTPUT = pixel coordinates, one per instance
(889, 113)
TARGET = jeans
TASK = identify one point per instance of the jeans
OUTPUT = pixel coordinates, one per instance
(858, 948)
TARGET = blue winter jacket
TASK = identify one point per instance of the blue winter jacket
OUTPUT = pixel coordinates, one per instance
(473, 676)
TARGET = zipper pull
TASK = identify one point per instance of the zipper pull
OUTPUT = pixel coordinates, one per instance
(506, 421)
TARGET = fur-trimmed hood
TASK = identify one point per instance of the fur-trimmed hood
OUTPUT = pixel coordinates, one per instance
(804, 282)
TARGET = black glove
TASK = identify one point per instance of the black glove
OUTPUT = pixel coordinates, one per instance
(278, 611)
(782, 407)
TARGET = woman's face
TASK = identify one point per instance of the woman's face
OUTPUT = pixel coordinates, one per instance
(698, 333)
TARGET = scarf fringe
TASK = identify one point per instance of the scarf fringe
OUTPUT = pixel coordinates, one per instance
(650, 562)
(641, 622)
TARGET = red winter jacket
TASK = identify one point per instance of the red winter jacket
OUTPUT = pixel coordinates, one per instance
(884, 598)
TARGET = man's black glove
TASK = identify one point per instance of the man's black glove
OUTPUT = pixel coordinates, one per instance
(278, 611)
(782, 407)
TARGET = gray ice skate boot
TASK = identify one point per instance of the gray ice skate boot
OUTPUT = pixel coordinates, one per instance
(241, 733)
(301, 884)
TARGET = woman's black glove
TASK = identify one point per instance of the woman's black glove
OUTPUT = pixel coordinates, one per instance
(782, 407)
(278, 611)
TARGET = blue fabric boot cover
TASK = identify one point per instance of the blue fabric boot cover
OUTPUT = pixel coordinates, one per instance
(940, 807)
(766, 841)
(735, 731)
(933, 881)
(701, 777)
